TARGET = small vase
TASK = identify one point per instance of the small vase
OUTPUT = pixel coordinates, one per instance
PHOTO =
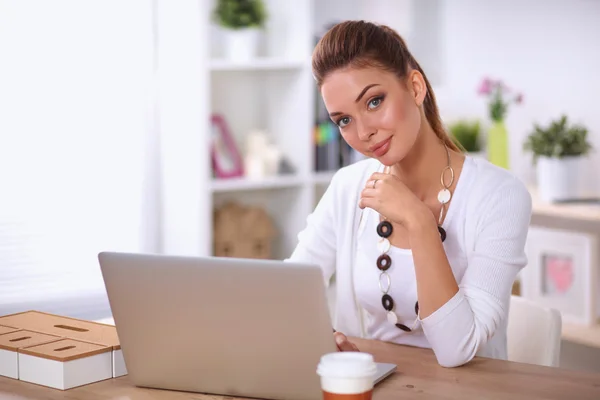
(497, 145)
(241, 45)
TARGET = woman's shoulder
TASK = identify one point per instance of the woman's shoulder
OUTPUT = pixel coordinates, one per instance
(497, 187)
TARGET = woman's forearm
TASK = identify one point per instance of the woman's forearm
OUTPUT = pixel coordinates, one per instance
(436, 284)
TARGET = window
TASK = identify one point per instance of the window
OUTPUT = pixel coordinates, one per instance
(75, 133)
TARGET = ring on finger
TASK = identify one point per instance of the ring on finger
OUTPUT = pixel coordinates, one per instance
(374, 183)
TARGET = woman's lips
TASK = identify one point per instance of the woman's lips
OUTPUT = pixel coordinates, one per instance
(381, 148)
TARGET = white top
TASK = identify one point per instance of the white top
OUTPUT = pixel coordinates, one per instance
(486, 224)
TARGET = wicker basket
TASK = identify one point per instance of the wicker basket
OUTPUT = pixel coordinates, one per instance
(242, 232)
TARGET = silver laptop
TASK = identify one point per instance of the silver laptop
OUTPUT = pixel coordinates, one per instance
(237, 327)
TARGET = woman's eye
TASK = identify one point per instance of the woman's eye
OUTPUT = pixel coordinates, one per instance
(375, 103)
(343, 122)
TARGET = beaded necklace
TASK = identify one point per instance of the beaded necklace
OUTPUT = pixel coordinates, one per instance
(384, 262)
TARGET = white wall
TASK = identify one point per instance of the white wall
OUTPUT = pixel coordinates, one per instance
(548, 49)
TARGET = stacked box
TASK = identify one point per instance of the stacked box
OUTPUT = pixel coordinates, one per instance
(85, 348)
(65, 364)
(10, 345)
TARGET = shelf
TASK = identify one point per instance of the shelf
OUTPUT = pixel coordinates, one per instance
(323, 177)
(584, 335)
(583, 212)
(246, 184)
(259, 64)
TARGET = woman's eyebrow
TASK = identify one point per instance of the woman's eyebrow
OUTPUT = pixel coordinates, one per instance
(365, 91)
(362, 93)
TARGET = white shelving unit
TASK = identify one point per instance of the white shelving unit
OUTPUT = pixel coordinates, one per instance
(273, 93)
(276, 93)
(245, 184)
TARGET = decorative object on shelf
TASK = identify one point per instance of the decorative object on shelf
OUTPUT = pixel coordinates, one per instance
(562, 273)
(286, 167)
(242, 232)
(242, 22)
(559, 151)
(262, 158)
(226, 159)
(499, 97)
(516, 288)
(467, 135)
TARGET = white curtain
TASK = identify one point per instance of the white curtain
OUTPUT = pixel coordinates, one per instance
(78, 167)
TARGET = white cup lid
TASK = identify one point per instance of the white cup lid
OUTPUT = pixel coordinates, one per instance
(347, 364)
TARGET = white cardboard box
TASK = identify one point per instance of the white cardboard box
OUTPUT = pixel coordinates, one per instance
(65, 364)
(71, 328)
(119, 368)
(11, 342)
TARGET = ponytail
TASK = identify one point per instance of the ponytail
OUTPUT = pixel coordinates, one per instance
(432, 112)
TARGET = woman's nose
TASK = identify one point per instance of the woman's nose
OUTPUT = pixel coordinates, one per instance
(365, 130)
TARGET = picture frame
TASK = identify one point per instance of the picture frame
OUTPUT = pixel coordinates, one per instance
(562, 273)
(225, 156)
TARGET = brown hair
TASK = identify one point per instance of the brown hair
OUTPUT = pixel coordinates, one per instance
(362, 44)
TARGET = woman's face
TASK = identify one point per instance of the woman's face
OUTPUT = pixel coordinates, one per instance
(376, 114)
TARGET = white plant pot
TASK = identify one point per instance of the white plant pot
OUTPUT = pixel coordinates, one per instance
(559, 178)
(241, 44)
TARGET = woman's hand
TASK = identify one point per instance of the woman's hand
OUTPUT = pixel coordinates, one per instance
(342, 342)
(389, 196)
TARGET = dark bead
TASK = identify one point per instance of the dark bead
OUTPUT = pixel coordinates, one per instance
(442, 233)
(417, 308)
(403, 327)
(388, 302)
(384, 262)
(384, 229)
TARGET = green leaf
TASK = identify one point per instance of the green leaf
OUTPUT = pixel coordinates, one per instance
(239, 14)
(466, 134)
(557, 140)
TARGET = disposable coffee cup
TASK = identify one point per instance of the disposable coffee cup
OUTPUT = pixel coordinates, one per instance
(347, 375)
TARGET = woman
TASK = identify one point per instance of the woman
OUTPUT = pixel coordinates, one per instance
(424, 242)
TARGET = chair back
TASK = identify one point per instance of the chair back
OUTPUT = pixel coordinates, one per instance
(534, 333)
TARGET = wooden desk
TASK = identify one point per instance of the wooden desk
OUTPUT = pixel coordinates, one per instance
(418, 376)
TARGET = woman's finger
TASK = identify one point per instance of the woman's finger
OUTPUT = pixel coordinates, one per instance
(343, 344)
(367, 192)
(379, 176)
(368, 202)
(341, 341)
(371, 184)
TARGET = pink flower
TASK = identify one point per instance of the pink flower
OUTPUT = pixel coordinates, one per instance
(519, 98)
(485, 87)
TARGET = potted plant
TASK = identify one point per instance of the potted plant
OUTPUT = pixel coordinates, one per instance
(499, 97)
(242, 22)
(467, 135)
(558, 152)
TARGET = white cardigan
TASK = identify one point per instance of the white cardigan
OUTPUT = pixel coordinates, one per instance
(492, 229)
